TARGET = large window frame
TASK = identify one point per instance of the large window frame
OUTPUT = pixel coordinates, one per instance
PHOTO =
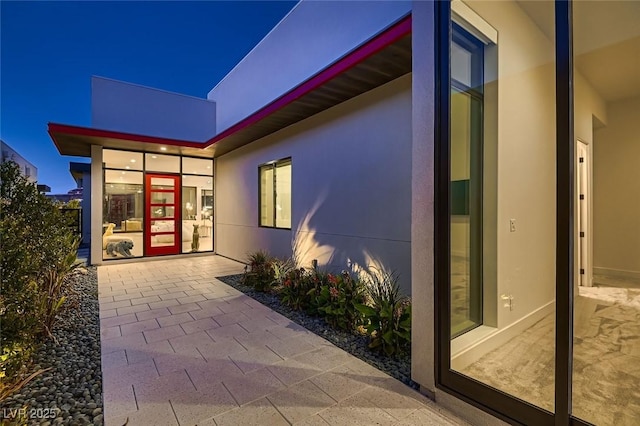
(273, 167)
(491, 400)
(141, 167)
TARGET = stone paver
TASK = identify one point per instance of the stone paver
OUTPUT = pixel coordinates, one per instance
(179, 347)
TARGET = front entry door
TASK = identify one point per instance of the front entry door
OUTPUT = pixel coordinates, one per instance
(162, 202)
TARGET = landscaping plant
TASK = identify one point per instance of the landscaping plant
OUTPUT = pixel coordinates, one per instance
(387, 314)
(36, 249)
(298, 288)
(338, 299)
(260, 275)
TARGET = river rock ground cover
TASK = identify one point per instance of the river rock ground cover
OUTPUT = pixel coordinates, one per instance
(70, 392)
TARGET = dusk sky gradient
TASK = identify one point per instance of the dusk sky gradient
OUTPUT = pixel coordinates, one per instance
(50, 50)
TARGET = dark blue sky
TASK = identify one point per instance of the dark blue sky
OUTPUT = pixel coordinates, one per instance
(49, 50)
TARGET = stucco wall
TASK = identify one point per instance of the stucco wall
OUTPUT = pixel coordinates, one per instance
(130, 108)
(313, 35)
(351, 189)
(616, 185)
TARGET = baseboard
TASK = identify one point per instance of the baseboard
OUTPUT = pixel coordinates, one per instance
(619, 273)
(498, 337)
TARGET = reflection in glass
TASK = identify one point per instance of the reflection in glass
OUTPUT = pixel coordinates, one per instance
(266, 196)
(197, 216)
(606, 351)
(197, 166)
(502, 193)
(113, 159)
(283, 194)
(162, 212)
(123, 210)
(162, 163)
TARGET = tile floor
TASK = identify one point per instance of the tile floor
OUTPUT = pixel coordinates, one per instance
(179, 347)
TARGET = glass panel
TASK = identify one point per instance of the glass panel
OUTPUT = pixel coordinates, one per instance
(189, 203)
(197, 216)
(162, 211)
(113, 159)
(503, 189)
(163, 226)
(283, 195)
(162, 183)
(162, 163)
(266, 196)
(162, 198)
(163, 240)
(197, 166)
(123, 212)
(466, 208)
(606, 351)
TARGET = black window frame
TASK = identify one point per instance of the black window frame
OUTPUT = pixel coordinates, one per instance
(498, 403)
(273, 165)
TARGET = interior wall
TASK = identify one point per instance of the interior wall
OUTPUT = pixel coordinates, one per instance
(525, 261)
(351, 189)
(616, 189)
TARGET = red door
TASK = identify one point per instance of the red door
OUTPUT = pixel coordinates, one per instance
(162, 227)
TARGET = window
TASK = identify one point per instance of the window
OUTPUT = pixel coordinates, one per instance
(466, 147)
(275, 194)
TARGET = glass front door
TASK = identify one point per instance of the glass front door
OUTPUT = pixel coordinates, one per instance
(162, 234)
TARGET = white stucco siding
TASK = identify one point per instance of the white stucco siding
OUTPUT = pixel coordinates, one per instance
(351, 187)
(130, 108)
(311, 37)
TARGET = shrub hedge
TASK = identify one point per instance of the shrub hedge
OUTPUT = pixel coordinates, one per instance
(37, 253)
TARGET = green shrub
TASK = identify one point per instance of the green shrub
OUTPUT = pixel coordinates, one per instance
(387, 314)
(260, 275)
(337, 301)
(298, 289)
(36, 245)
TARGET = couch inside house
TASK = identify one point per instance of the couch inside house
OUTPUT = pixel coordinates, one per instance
(131, 225)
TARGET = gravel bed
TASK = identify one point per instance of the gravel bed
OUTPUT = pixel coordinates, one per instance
(356, 345)
(71, 392)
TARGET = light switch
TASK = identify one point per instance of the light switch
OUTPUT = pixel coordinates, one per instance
(512, 225)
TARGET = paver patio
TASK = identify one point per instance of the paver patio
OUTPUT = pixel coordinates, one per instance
(179, 347)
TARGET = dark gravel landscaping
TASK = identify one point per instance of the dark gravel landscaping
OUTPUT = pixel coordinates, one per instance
(400, 368)
(70, 393)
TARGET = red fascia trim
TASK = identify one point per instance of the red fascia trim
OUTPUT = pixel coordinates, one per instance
(378, 43)
(87, 131)
(352, 59)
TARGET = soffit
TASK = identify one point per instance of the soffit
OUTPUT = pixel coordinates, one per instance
(379, 61)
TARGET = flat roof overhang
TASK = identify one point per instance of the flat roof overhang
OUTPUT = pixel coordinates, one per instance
(380, 60)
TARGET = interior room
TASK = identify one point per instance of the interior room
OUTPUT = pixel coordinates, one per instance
(503, 312)
(180, 210)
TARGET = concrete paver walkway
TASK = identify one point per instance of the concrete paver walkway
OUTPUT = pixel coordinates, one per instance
(179, 347)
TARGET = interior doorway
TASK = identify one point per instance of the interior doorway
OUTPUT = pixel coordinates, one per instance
(583, 202)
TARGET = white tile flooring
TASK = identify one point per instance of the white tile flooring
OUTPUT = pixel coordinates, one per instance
(179, 347)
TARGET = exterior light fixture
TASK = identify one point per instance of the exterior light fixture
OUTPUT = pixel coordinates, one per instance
(163, 148)
(154, 156)
(127, 167)
(132, 160)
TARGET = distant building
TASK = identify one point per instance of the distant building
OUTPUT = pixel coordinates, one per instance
(27, 168)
